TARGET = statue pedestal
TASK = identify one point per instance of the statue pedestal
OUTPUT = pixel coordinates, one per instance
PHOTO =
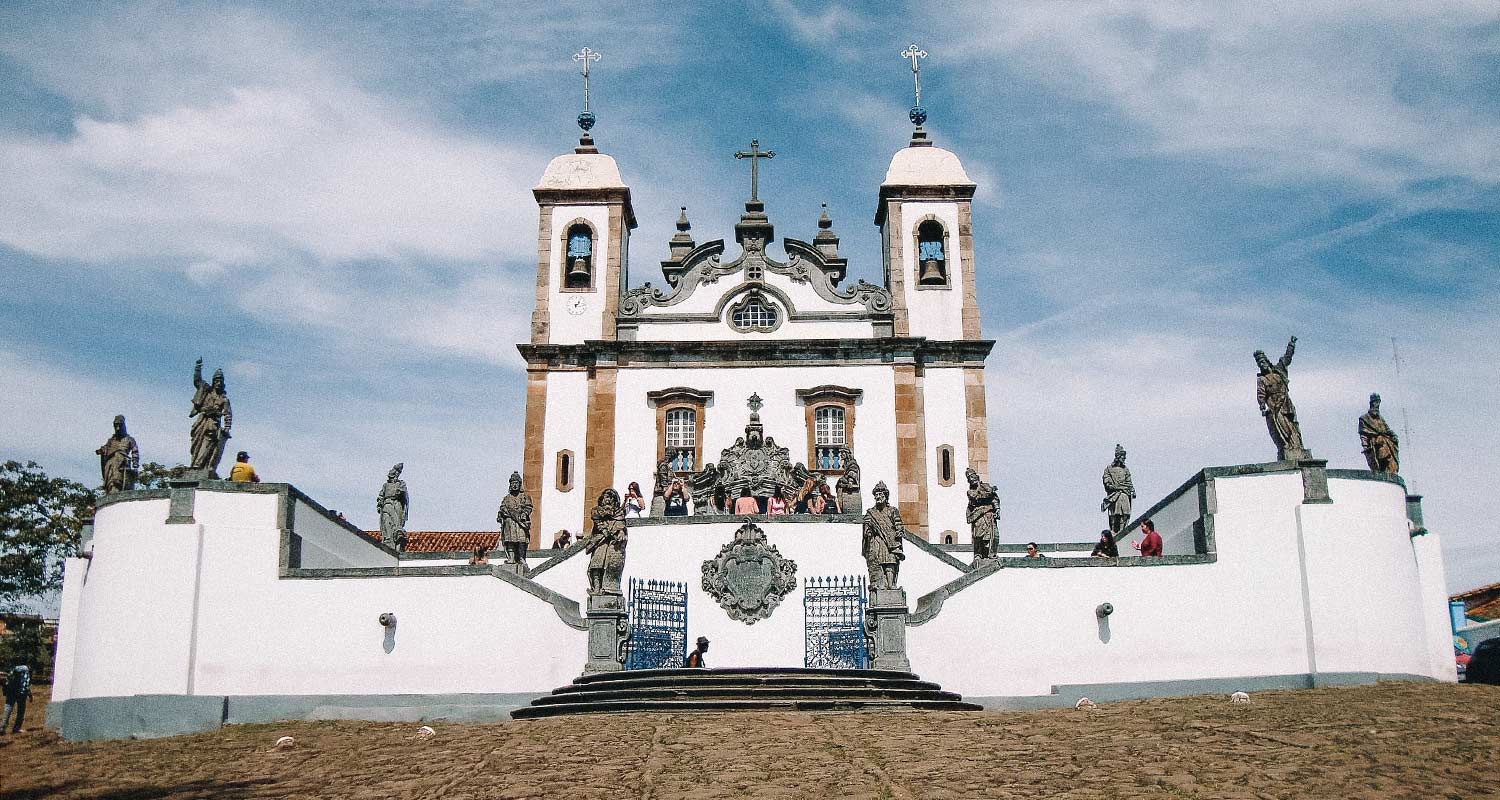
(887, 612)
(658, 506)
(517, 569)
(607, 631)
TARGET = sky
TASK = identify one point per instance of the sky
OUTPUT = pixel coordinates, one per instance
(332, 203)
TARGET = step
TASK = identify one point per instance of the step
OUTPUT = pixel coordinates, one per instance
(863, 674)
(742, 693)
(692, 706)
(711, 680)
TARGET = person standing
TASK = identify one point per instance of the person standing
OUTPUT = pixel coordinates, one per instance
(776, 504)
(242, 471)
(17, 693)
(1150, 544)
(746, 504)
(695, 658)
(635, 502)
(677, 500)
(119, 460)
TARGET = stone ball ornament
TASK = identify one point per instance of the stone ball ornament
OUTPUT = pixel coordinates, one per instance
(918, 115)
(586, 120)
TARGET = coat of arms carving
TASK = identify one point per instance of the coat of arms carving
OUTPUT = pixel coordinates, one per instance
(749, 577)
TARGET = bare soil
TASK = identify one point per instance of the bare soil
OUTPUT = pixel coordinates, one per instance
(1394, 740)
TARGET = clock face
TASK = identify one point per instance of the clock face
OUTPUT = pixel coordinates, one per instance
(577, 306)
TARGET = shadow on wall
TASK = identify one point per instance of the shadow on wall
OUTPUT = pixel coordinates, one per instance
(1102, 612)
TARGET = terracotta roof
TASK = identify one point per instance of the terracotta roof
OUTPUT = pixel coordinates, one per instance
(1482, 604)
(1484, 612)
(1492, 590)
(446, 541)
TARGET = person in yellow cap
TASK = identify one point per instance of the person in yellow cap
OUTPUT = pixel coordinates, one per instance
(242, 472)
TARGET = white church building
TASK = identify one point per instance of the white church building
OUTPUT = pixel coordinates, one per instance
(211, 603)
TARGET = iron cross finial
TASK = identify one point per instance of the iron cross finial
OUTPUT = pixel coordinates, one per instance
(586, 55)
(755, 155)
(913, 53)
(755, 402)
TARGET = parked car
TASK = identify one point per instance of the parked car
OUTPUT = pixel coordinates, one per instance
(1484, 664)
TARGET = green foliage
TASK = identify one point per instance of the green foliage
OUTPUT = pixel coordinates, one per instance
(22, 644)
(41, 523)
(155, 476)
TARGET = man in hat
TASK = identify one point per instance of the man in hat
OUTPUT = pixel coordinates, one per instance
(242, 472)
(695, 658)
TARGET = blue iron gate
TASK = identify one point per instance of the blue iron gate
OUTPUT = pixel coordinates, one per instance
(658, 624)
(834, 612)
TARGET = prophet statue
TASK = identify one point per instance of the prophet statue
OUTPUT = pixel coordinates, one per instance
(392, 504)
(882, 546)
(214, 418)
(606, 545)
(1119, 491)
(1382, 449)
(984, 507)
(848, 484)
(1273, 395)
(119, 460)
(515, 523)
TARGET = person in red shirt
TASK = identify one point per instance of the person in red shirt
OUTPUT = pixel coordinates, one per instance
(1150, 545)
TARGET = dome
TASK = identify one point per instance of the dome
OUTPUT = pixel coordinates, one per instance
(582, 171)
(926, 166)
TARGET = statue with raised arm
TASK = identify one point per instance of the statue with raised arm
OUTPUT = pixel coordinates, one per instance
(1119, 491)
(515, 523)
(1382, 450)
(119, 460)
(882, 545)
(392, 504)
(606, 545)
(1273, 395)
(213, 420)
(984, 507)
(847, 486)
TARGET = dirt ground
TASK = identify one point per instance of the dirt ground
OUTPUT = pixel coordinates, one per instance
(1394, 740)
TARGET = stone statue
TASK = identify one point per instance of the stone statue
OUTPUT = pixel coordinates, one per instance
(119, 460)
(659, 490)
(214, 419)
(1379, 442)
(882, 546)
(701, 484)
(515, 523)
(848, 484)
(1273, 395)
(606, 545)
(984, 507)
(392, 504)
(1118, 492)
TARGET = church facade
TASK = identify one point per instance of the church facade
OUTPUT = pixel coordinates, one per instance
(622, 379)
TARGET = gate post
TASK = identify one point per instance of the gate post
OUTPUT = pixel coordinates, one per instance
(888, 612)
(608, 631)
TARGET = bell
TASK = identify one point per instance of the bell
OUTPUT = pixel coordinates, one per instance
(578, 274)
(932, 272)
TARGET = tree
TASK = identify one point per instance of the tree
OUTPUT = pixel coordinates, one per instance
(155, 476)
(41, 523)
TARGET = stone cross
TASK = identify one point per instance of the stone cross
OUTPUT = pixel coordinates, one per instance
(913, 52)
(586, 55)
(755, 402)
(755, 155)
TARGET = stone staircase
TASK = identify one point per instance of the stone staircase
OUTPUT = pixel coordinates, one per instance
(745, 689)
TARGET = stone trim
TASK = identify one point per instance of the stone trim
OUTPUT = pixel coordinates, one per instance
(562, 261)
(754, 352)
(1067, 695)
(763, 293)
(684, 394)
(567, 464)
(977, 415)
(699, 408)
(711, 519)
(911, 448)
(612, 279)
(893, 195)
(831, 396)
(616, 196)
(937, 551)
(599, 450)
(969, 311)
(948, 250)
(532, 446)
(541, 314)
(895, 267)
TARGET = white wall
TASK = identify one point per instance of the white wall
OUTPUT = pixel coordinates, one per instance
(934, 313)
(784, 419)
(568, 328)
(1434, 590)
(326, 543)
(947, 423)
(565, 428)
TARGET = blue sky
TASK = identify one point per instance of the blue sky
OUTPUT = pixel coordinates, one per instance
(333, 203)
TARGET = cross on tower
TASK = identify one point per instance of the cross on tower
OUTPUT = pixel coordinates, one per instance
(755, 402)
(586, 55)
(755, 155)
(913, 52)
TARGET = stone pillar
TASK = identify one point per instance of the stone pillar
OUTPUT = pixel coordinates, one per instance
(608, 630)
(1314, 480)
(888, 617)
(1414, 515)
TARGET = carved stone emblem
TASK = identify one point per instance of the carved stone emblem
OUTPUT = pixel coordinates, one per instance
(749, 577)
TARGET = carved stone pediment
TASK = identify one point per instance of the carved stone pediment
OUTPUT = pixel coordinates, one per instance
(749, 577)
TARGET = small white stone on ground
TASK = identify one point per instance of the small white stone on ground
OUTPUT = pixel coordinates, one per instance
(424, 732)
(1239, 697)
(285, 743)
(1084, 702)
